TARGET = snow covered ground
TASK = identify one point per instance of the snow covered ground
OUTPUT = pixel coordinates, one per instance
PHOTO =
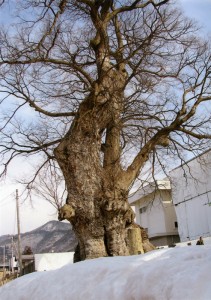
(180, 273)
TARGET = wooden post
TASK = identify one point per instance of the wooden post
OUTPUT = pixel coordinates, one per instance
(134, 241)
(19, 235)
(12, 262)
(4, 261)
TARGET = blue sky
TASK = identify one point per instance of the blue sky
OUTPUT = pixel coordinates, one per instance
(200, 10)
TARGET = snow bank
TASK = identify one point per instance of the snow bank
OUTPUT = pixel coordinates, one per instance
(174, 274)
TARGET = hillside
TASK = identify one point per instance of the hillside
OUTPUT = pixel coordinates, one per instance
(53, 236)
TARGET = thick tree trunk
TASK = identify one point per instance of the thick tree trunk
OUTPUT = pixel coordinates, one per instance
(97, 206)
(77, 158)
(98, 211)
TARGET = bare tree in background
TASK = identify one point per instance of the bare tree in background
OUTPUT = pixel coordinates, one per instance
(48, 184)
(110, 86)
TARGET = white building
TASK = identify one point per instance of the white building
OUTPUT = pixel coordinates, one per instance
(191, 193)
(52, 261)
(156, 213)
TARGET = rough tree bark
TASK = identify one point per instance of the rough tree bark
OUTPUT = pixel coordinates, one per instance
(97, 204)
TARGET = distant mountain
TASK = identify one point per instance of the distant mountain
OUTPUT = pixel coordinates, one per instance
(53, 236)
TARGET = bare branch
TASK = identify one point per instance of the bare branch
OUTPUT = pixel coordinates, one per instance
(135, 5)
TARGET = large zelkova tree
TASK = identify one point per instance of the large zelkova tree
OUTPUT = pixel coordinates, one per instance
(111, 86)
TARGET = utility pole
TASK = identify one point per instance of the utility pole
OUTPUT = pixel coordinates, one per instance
(12, 261)
(4, 261)
(19, 235)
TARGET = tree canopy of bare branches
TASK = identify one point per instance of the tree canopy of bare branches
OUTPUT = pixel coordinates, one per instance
(102, 88)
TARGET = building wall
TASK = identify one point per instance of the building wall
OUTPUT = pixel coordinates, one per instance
(191, 193)
(152, 216)
(52, 261)
(170, 217)
(169, 240)
(158, 216)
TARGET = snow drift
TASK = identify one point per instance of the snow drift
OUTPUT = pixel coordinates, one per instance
(173, 273)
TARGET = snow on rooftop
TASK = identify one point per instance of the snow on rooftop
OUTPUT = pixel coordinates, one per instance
(148, 189)
(180, 273)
